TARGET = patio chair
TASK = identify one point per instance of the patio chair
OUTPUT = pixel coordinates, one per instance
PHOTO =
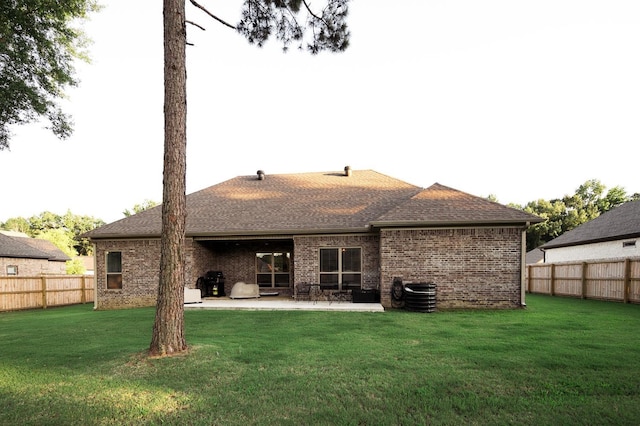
(303, 291)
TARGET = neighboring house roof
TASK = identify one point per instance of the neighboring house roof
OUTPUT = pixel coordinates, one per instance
(30, 248)
(616, 224)
(534, 256)
(14, 233)
(12, 247)
(54, 253)
(306, 203)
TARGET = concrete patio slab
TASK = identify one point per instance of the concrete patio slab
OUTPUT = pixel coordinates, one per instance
(282, 304)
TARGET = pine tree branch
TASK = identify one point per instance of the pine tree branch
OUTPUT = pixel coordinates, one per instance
(194, 24)
(199, 6)
(311, 11)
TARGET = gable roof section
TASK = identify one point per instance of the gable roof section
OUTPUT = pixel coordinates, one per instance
(616, 224)
(440, 205)
(305, 203)
(30, 248)
(280, 204)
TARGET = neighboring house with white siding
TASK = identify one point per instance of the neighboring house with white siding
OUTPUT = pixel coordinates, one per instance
(612, 235)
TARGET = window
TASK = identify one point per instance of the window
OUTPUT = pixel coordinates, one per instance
(12, 269)
(341, 268)
(273, 269)
(628, 244)
(114, 270)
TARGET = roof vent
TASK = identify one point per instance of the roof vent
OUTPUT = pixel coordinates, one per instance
(347, 171)
(260, 175)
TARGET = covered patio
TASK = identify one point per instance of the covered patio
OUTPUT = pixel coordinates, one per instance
(282, 304)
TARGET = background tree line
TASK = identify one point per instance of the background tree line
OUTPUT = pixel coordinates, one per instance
(564, 214)
(65, 231)
(590, 200)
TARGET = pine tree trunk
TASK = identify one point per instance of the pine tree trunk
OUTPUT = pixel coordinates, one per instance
(168, 330)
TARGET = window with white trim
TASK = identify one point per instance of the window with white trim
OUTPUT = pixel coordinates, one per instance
(12, 269)
(341, 267)
(114, 270)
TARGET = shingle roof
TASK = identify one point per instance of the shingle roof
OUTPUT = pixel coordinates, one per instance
(54, 253)
(441, 205)
(618, 223)
(30, 248)
(534, 256)
(312, 203)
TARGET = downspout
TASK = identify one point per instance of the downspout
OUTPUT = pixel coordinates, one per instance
(523, 265)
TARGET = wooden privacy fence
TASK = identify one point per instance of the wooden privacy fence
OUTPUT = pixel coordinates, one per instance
(617, 280)
(48, 290)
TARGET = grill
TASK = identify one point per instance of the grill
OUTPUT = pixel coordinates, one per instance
(212, 284)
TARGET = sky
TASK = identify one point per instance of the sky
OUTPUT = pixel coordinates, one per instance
(518, 99)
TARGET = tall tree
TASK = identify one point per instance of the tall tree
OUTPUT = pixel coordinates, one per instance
(260, 19)
(168, 329)
(38, 45)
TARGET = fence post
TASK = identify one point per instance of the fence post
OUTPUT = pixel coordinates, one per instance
(43, 280)
(627, 279)
(552, 288)
(583, 294)
(528, 278)
(83, 296)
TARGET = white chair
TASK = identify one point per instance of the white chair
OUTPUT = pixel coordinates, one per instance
(192, 295)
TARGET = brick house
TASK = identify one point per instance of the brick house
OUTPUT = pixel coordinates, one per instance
(29, 257)
(345, 230)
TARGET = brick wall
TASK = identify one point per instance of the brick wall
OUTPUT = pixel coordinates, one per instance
(473, 268)
(236, 260)
(307, 261)
(140, 274)
(203, 260)
(32, 267)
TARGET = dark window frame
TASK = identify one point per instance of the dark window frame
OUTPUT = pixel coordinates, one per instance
(113, 267)
(338, 269)
(273, 274)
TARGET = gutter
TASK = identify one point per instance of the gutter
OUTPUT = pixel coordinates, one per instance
(591, 241)
(275, 233)
(442, 224)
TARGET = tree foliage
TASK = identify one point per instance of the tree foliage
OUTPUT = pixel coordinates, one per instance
(138, 208)
(38, 45)
(328, 27)
(61, 238)
(69, 224)
(571, 211)
(75, 267)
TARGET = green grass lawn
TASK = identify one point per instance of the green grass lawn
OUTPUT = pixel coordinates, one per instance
(559, 361)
